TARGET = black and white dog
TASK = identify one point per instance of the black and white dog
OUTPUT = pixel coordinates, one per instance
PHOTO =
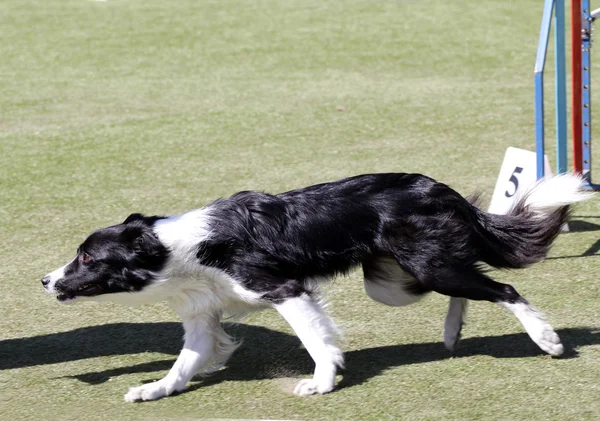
(410, 234)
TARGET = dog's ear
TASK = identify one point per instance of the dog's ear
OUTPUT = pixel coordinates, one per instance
(147, 242)
(134, 217)
(132, 232)
(142, 240)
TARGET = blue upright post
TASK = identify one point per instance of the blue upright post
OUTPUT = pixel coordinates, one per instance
(586, 138)
(539, 85)
(587, 19)
(561, 87)
(539, 123)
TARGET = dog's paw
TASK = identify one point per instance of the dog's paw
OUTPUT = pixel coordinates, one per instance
(311, 387)
(452, 331)
(454, 322)
(536, 326)
(548, 340)
(452, 337)
(148, 392)
(541, 332)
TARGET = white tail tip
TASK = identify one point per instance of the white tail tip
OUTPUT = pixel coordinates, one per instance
(552, 193)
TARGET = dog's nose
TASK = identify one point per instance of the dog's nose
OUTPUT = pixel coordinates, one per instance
(45, 281)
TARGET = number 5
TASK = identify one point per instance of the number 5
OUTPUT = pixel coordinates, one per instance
(514, 180)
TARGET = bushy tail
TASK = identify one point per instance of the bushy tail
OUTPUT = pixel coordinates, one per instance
(524, 235)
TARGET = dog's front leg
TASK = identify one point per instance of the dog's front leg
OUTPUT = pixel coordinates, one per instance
(317, 332)
(198, 349)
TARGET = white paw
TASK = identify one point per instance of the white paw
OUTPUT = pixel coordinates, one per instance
(454, 322)
(148, 392)
(538, 329)
(452, 336)
(548, 340)
(311, 387)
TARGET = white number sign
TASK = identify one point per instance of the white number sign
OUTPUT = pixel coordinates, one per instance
(518, 172)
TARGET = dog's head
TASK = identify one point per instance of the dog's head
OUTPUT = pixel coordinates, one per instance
(123, 258)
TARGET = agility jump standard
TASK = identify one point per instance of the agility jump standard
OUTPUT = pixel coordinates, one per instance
(581, 40)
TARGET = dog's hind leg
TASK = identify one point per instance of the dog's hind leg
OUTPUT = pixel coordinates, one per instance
(454, 321)
(317, 332)
(386, 282)
(473, 285)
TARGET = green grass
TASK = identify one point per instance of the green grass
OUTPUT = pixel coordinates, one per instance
(113, 107)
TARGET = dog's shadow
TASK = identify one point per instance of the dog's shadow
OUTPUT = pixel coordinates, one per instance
(264, 353)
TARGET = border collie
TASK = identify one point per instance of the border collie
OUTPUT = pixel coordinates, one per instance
(411, 235)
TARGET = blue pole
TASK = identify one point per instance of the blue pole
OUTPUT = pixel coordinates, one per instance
(539, 123)
(586, 138)
(561, 87)
(540, 61)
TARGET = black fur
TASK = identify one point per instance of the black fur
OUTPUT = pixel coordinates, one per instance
(275, 244)
(278, 245)
(517, 239)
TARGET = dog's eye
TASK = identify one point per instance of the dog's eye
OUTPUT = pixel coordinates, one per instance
(85, 258)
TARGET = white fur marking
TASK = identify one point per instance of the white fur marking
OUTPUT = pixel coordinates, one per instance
(536, 326)
(454, 321)
(204, 338)
(317, 332)
(56, 276)
(207, 346)
(551, 193)
(387, 284)
(156, 292)
(181, 234)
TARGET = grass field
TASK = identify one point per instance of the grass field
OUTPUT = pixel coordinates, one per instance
(113, 107)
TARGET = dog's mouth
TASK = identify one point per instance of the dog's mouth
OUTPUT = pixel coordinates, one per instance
(83, 291)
